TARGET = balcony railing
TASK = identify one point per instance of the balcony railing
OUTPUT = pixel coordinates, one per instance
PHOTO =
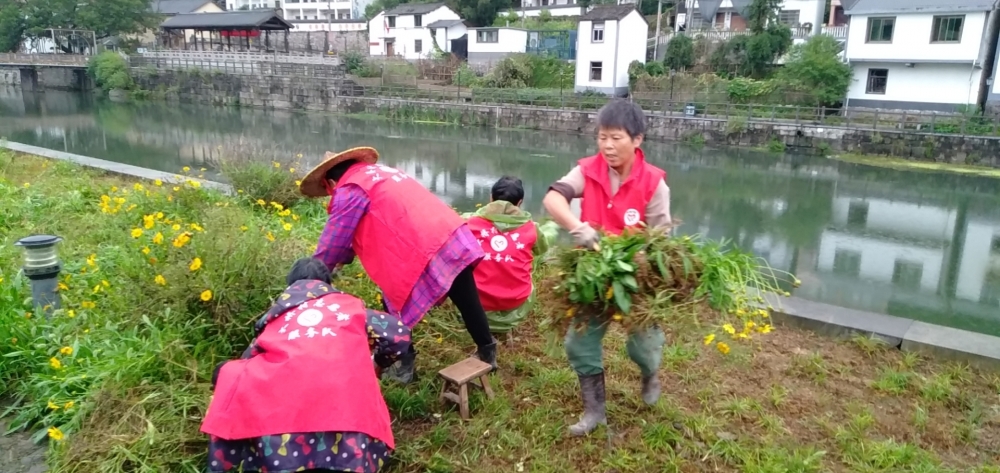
(838, 32)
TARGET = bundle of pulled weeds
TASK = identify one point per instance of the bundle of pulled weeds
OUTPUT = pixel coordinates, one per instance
(647, 277)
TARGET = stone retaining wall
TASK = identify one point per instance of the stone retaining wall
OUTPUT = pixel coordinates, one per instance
(344, 96)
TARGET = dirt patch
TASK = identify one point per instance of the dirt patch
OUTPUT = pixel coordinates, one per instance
(18, 454)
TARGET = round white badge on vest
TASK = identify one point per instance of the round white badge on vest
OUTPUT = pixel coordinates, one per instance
(310, 318)
(498, 243)
(631, 217)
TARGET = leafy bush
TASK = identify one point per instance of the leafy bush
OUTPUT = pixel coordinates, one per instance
(816, 65)
(518, 71)
(110, 71)
(258, 176)
(353, 61)
(655, 68)
(680, 53)
(464, 76)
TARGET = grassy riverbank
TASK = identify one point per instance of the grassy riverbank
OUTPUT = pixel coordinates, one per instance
(162, 281)
(903, 164)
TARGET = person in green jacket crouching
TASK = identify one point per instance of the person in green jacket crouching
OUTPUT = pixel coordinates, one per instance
(511, 241)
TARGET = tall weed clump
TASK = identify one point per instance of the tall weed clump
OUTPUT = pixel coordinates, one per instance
(161, 281)
(260, 174)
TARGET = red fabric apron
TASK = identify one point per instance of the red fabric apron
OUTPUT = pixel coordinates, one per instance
(314, 373)
(405, 226)
(627, 207)
(504, 275)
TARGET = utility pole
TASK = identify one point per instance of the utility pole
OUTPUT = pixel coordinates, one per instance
(820, 17)
(656, 36)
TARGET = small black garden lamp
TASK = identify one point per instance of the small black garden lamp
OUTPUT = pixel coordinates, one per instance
(42, 266)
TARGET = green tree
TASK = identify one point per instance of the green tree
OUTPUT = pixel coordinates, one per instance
(680, 53)
(762, 13)
(12, 26)
(754, 55)
(816, 66)
(105, 17)
(480, 12)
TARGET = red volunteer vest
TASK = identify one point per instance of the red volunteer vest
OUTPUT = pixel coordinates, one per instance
(627, 207)
(314, 374)
(504, 275)
(405, 227)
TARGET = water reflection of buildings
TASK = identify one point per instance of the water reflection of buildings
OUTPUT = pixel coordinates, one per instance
(898, 257)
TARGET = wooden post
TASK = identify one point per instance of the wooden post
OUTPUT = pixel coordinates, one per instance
(287, 49)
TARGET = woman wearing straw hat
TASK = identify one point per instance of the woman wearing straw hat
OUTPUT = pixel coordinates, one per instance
(413, 246)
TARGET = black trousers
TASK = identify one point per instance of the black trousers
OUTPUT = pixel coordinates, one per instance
(465, 295)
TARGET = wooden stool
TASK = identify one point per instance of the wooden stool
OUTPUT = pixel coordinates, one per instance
(462, 374)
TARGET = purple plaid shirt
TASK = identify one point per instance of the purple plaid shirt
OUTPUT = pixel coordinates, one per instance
(460, 251)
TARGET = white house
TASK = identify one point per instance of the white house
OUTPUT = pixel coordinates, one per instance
(531, 8)
(919, 54)
(489, 45)
(320, 9)
(609, 38)
(732, 14)
(402, 31)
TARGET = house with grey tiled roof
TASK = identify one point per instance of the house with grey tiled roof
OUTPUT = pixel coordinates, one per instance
(921, 54)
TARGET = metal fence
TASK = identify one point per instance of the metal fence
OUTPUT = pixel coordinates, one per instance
(743, 114)
(240, 68)
(44, 59)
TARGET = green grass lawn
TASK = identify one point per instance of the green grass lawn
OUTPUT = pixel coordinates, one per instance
(122, 371)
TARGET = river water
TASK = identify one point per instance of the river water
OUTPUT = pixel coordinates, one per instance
(918, 245)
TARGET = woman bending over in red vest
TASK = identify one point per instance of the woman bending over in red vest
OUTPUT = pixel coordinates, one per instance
(619, 190)
(413, 246)
(305, 396)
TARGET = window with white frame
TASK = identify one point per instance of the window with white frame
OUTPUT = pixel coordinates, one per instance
(596, 68)
(597, 32)
(789, 17)
(487, 36)
(418, 46)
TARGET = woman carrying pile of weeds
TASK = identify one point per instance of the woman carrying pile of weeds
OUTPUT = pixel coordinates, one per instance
(619, 190)
(305, 396)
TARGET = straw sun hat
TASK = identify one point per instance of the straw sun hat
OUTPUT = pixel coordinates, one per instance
(313, 184)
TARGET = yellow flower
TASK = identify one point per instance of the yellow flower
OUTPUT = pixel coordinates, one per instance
(114, 188)
(66, 350)
(194, 184)
(105, 283)
(69, 404)
(158, 182)
(98, 288)
(239, 191)
(185, 169)
(285, 213)
(175, 227)
(158, 238)
(766, 328)
(742, 335)
(269, 236)
(55, 363)
(295, 217)
(709, 338)
(298, 183)
(56, 434)
(53, 406)
(159, 215)
(62, 286)
(195, 226)
(182, 240)
(136, 232)
(203, 169)
(159, 279)
(277, 206)
(261, 202)
(91, 260)
(27, 185)
(206, 295)
(728, 328)
(243, 228)
(71, 313)
(618, 316)
(610, 292)
(277, 164)
(88, 305)
(439, 340)
(145, 250)
(195, 264)
(287, 227)
(138, 186)
(722, 347)
(176, 188)
(292, 170)
(570, 312)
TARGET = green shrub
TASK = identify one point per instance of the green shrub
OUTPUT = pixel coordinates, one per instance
(257, 177)
(680, 53)
(654, 68)
(110, 71)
